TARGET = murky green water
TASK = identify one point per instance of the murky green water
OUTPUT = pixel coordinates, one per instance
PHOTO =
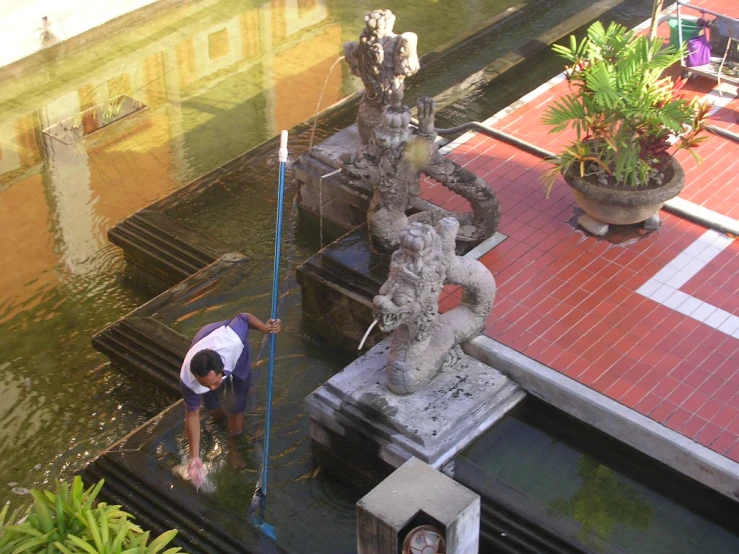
(583, 488)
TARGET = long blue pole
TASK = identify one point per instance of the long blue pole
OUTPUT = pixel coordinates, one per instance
(275, 294)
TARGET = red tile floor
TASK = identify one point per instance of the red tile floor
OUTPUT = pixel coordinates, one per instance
(650, 320)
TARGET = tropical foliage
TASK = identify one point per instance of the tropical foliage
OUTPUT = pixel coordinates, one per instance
(627, 116)
(70, 521)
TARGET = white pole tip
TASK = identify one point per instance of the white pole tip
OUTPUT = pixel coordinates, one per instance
(283, 146)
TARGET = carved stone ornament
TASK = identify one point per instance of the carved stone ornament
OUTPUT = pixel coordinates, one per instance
(392, 163)
(424, 343)
(382, 60)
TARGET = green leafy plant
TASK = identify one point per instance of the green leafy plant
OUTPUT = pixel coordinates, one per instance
(70, 521)
(627, 117)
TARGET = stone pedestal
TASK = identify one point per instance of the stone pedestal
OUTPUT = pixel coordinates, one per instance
(414, 495)
(323, 191)
(337, 286)
(356, 418)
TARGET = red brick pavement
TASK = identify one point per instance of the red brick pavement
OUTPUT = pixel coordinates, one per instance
(570, 301)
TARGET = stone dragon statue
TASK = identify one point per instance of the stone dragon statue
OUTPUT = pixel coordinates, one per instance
(382, 59)
(391, 164)
(424, 343)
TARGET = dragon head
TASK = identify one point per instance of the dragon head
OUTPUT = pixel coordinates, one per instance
(396, 304)
(411, 293)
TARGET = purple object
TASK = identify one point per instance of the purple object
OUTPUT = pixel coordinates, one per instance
(699, 51)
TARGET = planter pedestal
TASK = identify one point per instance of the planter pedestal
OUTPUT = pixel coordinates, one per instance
(605, 206)
(600, 228)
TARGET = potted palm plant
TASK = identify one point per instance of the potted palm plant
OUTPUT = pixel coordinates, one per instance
(628, 121)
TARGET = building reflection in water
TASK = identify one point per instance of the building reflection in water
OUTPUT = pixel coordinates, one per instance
(215, 85)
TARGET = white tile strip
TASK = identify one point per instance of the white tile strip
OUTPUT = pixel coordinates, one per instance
(485, 246)
(664, 286)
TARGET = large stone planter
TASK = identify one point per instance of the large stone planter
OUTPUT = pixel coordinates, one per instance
(607, 206)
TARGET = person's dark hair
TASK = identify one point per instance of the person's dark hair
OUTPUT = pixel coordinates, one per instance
(206, 361)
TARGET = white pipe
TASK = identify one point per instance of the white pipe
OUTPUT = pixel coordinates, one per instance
(366, 334)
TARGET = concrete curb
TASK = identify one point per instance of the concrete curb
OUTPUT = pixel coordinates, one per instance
(702, 216)
(624, 424)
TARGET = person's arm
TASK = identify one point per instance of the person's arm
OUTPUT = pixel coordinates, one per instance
(192, 429)
(271, 326)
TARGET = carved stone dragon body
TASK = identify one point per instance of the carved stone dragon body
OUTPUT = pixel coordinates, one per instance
(392, 163)
(423, 342)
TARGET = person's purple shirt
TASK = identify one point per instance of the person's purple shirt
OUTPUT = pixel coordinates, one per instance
(240, 326)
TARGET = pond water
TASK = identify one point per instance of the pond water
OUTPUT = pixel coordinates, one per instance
(218, 78)
(596, 492)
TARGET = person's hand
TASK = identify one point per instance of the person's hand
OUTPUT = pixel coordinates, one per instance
(196, 472)
(274, 326)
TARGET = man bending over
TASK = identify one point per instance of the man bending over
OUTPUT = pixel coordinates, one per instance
(216, 370)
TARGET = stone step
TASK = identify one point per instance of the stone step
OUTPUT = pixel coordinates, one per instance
(153, 509)
(163, 246)
(145, 348)
(138, 476)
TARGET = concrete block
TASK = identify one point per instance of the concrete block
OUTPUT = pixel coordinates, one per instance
(413, 495)
(652, 223)
(592, 225)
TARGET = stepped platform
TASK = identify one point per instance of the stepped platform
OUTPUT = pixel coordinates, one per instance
(163, 246)
(145, 346)
(139, 475)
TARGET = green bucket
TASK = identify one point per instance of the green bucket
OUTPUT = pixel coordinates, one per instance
(688, 25)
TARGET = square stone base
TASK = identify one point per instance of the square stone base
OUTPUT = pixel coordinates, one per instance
(354, 412)
(413, 493)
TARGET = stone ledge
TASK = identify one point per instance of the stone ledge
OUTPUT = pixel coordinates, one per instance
(624, 424)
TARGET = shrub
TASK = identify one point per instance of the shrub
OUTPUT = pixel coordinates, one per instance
(626, 114)
(70, 521)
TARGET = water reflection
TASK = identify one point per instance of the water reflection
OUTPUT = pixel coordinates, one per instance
(217, 80)
(584, 499)
(603, 502)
